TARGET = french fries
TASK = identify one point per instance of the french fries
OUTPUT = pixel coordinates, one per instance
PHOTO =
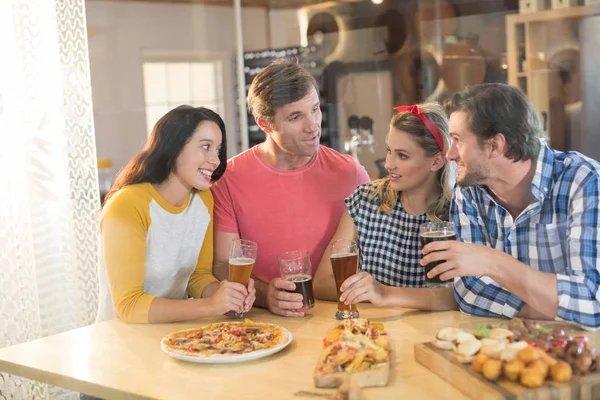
(354, 346)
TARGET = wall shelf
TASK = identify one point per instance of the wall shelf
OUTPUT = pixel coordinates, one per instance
(533, 42)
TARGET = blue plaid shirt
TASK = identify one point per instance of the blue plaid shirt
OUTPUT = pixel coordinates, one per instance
(559, 233)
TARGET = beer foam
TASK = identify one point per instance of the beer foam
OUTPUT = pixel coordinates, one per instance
(438, 234)
(241, 261)
(298, 278)
(340, 255)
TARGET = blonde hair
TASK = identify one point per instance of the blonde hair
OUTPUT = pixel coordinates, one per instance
(408, 122)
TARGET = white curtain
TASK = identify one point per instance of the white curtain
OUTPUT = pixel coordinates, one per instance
(48, 178)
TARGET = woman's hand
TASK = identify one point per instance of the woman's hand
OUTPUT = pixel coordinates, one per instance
(363, 287)
(230, 296)
(249, 301)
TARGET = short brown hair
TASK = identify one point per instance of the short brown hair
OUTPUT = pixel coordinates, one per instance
(281, 83)
(494, 108)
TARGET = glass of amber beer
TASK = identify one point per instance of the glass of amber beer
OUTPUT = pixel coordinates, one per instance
(295, 266)
(344, 262)
(242, 256)
(433, 232)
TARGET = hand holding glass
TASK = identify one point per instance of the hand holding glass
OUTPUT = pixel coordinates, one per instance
(242, 256)
(295, 266)
(433, 232)
(344, 263)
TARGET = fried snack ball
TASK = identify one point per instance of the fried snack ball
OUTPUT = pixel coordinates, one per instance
(492, 369)
(478, 362)
(561, 372)
(548, 359)
(541, 366)
(583, 362)
(512, 369)
(532, 377)
(529, 354)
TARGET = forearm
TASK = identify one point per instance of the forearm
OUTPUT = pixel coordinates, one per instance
(210, 289)
(169, 310)
(324, 288)
(431, 299)
(261, 292)
(221, 270)
(324, 281)
(529, 313)
(199, 283)
(535, 288)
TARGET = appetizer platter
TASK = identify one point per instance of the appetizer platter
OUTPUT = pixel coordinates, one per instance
(517, 359)
(356, 354)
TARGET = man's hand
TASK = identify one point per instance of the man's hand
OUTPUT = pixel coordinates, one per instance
(281, 302)
(460, 259)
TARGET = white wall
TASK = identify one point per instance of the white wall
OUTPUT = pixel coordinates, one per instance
(284, 28)
(121, 34)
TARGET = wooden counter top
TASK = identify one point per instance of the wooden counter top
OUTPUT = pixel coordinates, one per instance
(117, 360)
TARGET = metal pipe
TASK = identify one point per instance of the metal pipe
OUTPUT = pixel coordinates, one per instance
(241, 81)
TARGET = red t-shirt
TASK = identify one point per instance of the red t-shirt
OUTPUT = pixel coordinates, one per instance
(285, 210)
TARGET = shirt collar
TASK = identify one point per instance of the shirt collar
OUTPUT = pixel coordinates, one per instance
(543, 179)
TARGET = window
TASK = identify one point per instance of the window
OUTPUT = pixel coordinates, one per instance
(170, 84)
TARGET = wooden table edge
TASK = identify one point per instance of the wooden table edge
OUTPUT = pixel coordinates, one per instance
(66, 382)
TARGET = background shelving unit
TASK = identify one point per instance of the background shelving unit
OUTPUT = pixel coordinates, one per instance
(545, 61)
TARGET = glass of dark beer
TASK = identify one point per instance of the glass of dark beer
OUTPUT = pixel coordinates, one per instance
(344, 263)
(295, 266)
(433, 232)
(242, 256)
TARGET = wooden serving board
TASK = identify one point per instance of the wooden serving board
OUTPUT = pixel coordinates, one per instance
(350, 384)
(377, 376)
(445, 364)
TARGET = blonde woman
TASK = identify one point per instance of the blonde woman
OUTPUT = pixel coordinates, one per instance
(384, 216)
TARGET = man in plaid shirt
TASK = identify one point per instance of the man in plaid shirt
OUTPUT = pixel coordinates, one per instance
(527, 216)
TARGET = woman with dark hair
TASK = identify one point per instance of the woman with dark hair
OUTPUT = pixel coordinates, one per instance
(384, 216)
(157, 227)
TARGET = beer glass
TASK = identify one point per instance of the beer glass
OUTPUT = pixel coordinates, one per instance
(344, 263)
(433, 232)
(242, 256)
(294, 266)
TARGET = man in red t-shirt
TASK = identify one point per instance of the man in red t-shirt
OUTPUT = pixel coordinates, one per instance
(286, 193)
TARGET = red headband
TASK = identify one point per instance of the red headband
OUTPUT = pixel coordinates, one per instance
(430, 125)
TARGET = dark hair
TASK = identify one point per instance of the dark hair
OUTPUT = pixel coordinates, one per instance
(170, 134)
(494, 108)
(281, 83)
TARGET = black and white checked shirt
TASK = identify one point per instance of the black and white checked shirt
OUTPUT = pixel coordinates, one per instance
(390, 248)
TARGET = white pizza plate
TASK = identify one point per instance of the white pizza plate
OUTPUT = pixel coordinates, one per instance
(220, 359)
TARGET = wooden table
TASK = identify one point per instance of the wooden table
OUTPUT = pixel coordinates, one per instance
(117, 360)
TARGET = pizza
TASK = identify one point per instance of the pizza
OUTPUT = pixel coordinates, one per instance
(358, 347)
(225, 339)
